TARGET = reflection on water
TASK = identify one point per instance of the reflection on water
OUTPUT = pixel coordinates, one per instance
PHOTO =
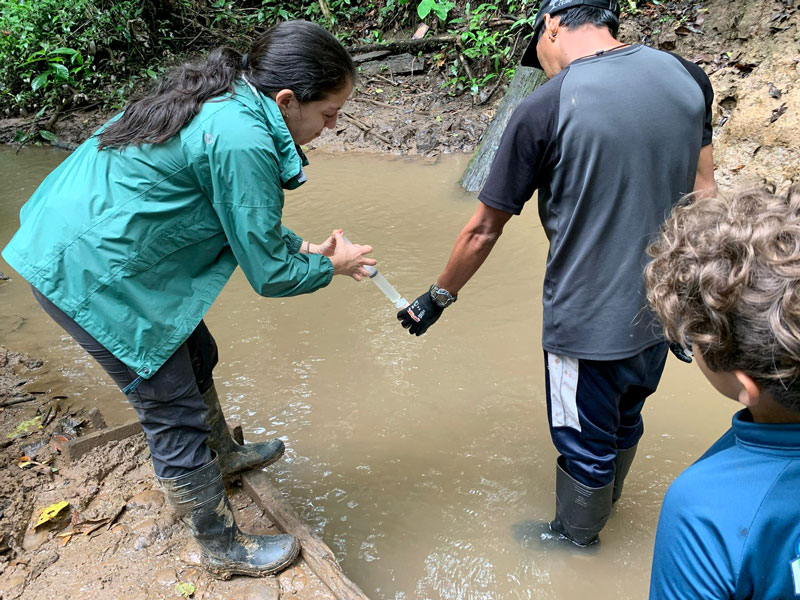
(425, 463)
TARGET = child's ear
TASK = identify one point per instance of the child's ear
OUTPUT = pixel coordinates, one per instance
(750, 393)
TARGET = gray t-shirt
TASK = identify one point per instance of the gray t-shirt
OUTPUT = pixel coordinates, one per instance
(611, 143)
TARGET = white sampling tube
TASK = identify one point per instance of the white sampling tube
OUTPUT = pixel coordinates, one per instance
(383, 285)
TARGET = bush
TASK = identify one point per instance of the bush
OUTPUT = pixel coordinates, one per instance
(56, 54)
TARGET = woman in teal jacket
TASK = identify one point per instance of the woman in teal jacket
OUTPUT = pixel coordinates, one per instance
(129, 241)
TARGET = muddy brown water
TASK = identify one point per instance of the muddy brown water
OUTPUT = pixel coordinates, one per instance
(421, 461)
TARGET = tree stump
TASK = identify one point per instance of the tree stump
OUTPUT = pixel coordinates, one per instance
(526, 79)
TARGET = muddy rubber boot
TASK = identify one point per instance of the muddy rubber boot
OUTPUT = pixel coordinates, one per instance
(623, 463)
(581, 511)
(235, 457)
(199, 500)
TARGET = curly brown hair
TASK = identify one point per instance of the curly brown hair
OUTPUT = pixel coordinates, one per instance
(725, 277)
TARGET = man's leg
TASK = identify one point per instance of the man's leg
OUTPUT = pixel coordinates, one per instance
(583, 401)
(631, 427)
(581, 410)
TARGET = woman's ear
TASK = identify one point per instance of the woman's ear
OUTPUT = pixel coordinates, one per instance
(750, 392)
(285, 99)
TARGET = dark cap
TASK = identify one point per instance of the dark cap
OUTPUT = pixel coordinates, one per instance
(552, 7)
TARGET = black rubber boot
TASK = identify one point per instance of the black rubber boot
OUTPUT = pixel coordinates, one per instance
(235, 457)
(581, 511)
(199, 500)
(623, 464)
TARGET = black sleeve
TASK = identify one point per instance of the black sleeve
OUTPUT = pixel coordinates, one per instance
(526, 150)
(704, 82)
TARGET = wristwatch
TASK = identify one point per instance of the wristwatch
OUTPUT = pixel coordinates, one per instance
(441, 296)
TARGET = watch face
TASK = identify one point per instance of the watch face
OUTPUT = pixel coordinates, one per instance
(441, 297)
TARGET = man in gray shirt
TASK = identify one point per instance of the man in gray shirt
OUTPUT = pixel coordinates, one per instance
(611, 142)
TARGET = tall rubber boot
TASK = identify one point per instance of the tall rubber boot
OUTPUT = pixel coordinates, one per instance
(235, 457)
(623, 463)
(199, 500)
(581, 511)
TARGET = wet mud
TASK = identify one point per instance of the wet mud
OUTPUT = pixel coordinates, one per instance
(118, 537)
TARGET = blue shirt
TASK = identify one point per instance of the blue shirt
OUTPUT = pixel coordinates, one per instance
(730, 524)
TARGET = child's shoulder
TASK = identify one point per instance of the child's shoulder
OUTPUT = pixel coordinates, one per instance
(727, 475)
(707, 477)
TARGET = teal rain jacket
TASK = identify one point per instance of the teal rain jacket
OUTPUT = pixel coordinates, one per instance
(135, 244)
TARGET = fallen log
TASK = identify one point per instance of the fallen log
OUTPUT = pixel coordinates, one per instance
(401, 64)
(406, 45)
(316, 554)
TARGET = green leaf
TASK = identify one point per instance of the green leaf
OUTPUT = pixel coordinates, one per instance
(61, 70)
(66, 51)
(424, 8)
(39, 81)
(184, 589)
(48, 135)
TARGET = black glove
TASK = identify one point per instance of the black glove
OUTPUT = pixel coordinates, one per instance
(421, 314)
(682, 353)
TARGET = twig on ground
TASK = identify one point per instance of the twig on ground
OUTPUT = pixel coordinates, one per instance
(16, 401)
(377, 103)
(387, 80)
(491, 92)
(366, 128)
(396, 83)
(463, 60)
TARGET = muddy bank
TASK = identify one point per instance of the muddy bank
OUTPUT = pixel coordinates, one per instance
(751, 51)
(116, 537)
(400, 114)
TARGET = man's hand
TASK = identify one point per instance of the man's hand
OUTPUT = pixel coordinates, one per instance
(421, 314)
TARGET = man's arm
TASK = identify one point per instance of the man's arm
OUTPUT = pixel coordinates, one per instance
(524, 157)
(705, 185)
(472, 246)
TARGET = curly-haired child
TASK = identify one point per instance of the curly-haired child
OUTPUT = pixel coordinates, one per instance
(725, 280)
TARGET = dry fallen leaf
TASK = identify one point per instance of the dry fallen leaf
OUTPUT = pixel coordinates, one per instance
(49, 513)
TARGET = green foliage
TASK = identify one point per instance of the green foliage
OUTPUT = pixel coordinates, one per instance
(439, 8)
(488, 48)
(56, 55)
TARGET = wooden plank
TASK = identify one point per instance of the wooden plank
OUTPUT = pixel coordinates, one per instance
(402, 64)
(316, 553)
(360, 58)
(76, 448)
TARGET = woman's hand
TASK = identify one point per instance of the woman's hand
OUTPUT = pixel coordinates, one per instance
(327, 247)
(349, 259)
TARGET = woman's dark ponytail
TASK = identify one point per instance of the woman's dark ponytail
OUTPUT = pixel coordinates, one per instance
(295, 55)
